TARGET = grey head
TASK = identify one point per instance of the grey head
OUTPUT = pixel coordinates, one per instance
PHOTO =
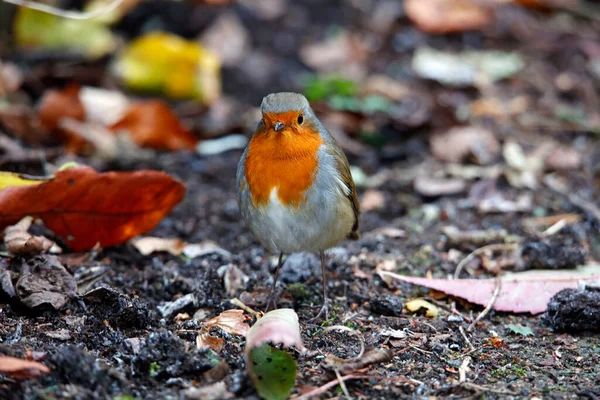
(276, 103)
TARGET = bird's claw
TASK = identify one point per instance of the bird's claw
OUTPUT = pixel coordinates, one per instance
(324, 311)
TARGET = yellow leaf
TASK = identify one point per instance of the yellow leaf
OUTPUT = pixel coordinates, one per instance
(417, 304)
(8, 179)
(169, 64)
(36, 29)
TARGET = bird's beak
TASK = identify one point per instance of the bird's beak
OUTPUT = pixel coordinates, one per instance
(278, 126)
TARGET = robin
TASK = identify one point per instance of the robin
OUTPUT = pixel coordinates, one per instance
(295, 190)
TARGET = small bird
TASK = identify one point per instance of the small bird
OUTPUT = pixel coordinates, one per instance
(295, 190)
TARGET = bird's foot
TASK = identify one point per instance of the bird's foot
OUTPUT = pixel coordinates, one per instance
(323, 312)
(271, 301)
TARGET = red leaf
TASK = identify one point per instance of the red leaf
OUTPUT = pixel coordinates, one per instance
(85, 207)
(522, 292)
(153, 124)
(21, 369)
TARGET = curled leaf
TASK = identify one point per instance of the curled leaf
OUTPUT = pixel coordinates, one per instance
(19, 241)
(273, 371)
(415, 305)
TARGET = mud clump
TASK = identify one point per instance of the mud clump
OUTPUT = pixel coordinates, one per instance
(387, 305)
(573, 310)
(72, 366)
(163, 355)
(121, 311)
(558, 253)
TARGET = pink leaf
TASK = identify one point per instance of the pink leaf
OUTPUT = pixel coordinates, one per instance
(520, 292)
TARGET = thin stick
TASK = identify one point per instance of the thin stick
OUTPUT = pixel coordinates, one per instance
(475, 253)
(464, 335)
(323, 389)
(244, 307)
(342, 384)
(65, 13)
(462, 370)
(489, 305)
(554, 229)
(474, 386)
(573, 198)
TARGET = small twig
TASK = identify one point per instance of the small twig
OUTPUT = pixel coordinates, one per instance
(462, 370)
(475, 253)
(554, 229)
(464, 335)
(420, 349)
(323, 389)
(342, 384)
(489, 305)
(65, 13)
(238, 302)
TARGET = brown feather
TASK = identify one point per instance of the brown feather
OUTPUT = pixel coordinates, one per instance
(342, 163)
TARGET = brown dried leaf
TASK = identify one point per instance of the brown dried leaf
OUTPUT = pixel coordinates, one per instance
(18, 368)
(153, 124)
(148, 245)
(445, 16)
(460, 143)
(19, 242)
(232, 321)
(204, 339)
(429, 186)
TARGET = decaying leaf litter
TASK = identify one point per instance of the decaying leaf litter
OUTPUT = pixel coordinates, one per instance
(479, 166)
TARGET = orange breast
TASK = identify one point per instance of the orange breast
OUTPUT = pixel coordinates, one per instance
(286, 161)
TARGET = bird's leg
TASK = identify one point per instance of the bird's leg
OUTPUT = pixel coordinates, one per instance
(325, 309)
(274, 288)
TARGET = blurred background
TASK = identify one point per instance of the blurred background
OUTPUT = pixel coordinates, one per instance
(441, 81)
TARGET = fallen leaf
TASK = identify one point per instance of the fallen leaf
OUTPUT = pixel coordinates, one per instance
(102, 106)
(168, 63)
(19, 242)
(231, 321)
(44, 280)
(415, 305)
(228, 38)
(148, 245)
(86, 208)
(22, 369)
(343, 53)
(563, 158)
(11, 78)
(445, 16)
(273, 371)
(153, 124)
(520, 330)
(204, 339)
(467, 68)
(11, 179)
(347, 366)
(35, 29)
(432, 187)
(57, 104)
(520, 292)
(220, 145)
(468, 142)
(372, 200)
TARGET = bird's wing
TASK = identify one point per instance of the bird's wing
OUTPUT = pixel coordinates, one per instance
(344, 167)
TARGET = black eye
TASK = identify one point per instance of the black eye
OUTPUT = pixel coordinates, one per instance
(300, 119)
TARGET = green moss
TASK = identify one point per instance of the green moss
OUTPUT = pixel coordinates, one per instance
(298, 290)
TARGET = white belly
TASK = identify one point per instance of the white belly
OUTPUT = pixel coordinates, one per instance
(314, 226)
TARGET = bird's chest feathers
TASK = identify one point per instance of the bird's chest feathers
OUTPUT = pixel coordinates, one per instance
(283, 164)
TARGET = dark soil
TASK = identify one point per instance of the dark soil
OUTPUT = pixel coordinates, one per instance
(121, 337)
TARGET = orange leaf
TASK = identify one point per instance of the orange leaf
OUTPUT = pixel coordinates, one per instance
(85, 207)
(153, 124)
(445, 16)
(56, 105)
(22, 369)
